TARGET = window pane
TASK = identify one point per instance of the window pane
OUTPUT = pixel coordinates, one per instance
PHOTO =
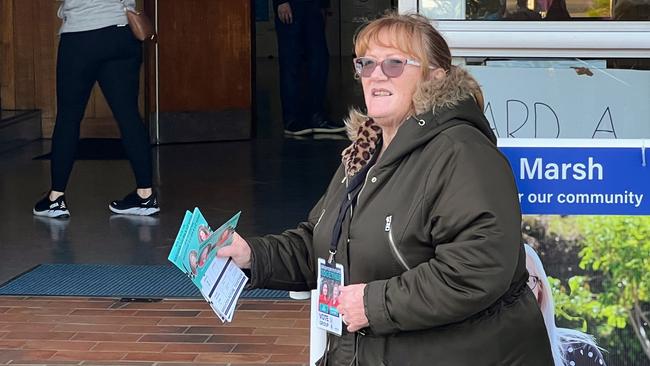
(527, 10)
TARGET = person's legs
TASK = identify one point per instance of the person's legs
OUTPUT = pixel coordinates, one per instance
(76, 69)
(318, 60)
(119, 78)
(289, 57)
(317, 56)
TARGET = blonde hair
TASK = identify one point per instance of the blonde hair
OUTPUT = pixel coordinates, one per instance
(413, 34)
(557, 336)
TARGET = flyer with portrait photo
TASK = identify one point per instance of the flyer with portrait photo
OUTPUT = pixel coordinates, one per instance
(194, 252)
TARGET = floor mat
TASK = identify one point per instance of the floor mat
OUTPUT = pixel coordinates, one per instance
(124, 281)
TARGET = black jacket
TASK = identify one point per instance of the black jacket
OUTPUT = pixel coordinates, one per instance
(435, 235)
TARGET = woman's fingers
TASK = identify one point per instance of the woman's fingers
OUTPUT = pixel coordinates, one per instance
(238, 250)
(351, 307)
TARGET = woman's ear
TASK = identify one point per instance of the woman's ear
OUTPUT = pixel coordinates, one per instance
(437, 73)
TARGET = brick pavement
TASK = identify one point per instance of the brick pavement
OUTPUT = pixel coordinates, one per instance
(101, 331)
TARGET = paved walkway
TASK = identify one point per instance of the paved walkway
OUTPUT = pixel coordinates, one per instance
(92, 331)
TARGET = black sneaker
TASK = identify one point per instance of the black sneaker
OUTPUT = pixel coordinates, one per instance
(297, 129)
(132, 204)
(329, 127)
(47, 208)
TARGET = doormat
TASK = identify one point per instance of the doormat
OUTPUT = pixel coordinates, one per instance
(123, 281)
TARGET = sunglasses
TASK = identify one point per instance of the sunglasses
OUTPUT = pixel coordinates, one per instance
(391, 67)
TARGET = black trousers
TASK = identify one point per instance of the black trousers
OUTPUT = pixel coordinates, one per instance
(112, 57)
(302, 45)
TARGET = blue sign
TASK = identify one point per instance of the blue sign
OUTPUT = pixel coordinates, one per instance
(581, 180)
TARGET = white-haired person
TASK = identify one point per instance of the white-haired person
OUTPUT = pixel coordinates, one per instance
(570, 347)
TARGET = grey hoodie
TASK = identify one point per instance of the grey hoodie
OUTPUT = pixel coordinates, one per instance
(84, 15)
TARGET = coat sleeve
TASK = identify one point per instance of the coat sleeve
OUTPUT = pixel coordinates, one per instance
(475, 228)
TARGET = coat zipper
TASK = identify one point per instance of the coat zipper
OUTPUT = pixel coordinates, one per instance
(388, 228)
(319, 218)
(364, 184)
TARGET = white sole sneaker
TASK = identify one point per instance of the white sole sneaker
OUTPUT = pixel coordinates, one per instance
(138, 211)
(300, 295)
(303, 132)
(51, 213)
(329, 130)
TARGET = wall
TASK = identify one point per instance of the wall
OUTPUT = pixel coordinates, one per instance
(29, 41)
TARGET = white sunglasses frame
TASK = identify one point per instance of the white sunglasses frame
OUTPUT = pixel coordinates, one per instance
(406, 61)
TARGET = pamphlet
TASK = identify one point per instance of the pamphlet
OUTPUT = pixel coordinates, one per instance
(194, 252)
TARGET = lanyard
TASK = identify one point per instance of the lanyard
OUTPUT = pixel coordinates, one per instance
(354, 186)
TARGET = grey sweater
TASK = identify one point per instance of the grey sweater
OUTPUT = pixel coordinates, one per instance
(84, 15)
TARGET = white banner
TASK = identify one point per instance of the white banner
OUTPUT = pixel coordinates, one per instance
(566, 103)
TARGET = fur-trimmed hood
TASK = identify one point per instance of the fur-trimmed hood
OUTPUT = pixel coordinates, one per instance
(436, 102)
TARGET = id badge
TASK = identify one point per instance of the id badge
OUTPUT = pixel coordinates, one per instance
(330, 281)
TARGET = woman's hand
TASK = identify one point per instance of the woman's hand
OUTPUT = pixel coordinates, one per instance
(284, 13)
(239, 250)
(351, 308)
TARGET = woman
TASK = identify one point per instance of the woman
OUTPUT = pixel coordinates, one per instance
(336, 292)
(423, 215)
(570, 347)
(96, 45)
(324, 297)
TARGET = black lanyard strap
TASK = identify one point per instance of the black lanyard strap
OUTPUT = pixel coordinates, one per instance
(353, 188)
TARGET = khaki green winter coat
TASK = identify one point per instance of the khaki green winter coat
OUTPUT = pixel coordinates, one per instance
(435, 235)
